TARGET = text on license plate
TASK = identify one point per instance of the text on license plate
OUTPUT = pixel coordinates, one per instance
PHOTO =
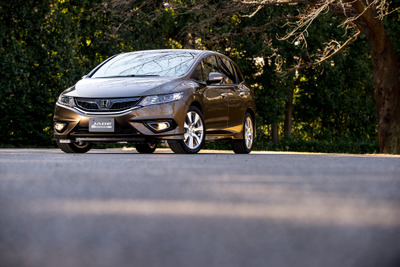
(101, 125)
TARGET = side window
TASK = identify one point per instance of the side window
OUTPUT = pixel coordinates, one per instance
(235, 72)
(239, 74)
(209, 65)
(198, 73)
(227, 71)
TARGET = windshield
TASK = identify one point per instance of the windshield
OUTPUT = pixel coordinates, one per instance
(143, 64)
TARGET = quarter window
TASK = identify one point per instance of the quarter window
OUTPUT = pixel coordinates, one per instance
(226, 70)
(239, 75)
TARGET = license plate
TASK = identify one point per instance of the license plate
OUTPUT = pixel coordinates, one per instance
(101, 125)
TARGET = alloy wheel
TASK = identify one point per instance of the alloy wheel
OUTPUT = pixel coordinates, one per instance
(248, 132)
(194, 130)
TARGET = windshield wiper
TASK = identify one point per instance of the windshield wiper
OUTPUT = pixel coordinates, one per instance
(144, 75)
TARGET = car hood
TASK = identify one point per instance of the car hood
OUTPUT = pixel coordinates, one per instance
(122, 87)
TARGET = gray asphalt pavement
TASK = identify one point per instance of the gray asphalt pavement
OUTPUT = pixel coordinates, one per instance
(120, 208)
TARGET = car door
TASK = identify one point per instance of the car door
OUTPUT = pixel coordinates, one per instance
(214, 99)
(234, 96)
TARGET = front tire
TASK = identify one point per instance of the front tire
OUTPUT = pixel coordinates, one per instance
(245, 145)
(74, 147)
(146, 148)
(194, 133)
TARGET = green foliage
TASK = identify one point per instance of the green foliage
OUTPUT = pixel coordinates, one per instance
(323, 146)
(38, 60)
(46, 46)
(334, 102)
(293, 145)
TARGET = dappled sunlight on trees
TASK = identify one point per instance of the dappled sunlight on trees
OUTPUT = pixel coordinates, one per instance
(47, 46)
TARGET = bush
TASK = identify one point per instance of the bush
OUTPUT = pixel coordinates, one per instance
(336, 146)
(292, 145)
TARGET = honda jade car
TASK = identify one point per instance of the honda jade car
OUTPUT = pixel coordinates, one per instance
(182, 97)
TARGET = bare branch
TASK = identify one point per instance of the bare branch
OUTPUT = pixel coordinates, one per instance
(271, 2)
(300, 28)
(248, 30)
(331, 49)
(354, 13)
(383, 9)
(366, 8)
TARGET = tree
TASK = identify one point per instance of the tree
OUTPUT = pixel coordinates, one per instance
(329, 103)
(356, 16)
(367, 16)
(46, 46)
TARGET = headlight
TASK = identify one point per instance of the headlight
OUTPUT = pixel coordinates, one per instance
(160, 99)
(66, 101)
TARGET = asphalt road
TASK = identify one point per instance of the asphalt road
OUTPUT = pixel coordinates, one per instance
(120, 208)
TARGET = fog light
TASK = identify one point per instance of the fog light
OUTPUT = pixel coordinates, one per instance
(160, 126)
(59, 126)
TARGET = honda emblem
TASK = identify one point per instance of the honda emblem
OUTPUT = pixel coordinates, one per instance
(105, 103)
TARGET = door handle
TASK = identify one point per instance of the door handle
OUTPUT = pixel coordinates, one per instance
(224, 95)
(242, 94)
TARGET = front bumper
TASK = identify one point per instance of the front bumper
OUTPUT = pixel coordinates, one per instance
(130, 126)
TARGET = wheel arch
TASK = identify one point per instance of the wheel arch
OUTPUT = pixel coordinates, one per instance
(197, 105)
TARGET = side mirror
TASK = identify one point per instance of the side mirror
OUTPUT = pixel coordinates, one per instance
(84, 76)
(214, 77)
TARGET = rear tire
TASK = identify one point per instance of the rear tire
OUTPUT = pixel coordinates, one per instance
(74, 147)
(194, 135)
(245, 145)
(146, 148)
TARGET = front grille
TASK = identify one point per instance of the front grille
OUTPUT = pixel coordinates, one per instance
(123, 105)
(106, 104)
(83, 104)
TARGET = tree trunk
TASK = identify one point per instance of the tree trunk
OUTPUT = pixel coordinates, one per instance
(387, 96)
(275, 133)
(289, 114)
(386, 78)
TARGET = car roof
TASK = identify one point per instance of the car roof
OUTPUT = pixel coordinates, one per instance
(194, 51)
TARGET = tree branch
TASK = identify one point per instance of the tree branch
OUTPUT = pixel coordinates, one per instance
(248, 30)
(327, 54)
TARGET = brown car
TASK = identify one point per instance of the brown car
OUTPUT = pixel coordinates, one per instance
(183, 97)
